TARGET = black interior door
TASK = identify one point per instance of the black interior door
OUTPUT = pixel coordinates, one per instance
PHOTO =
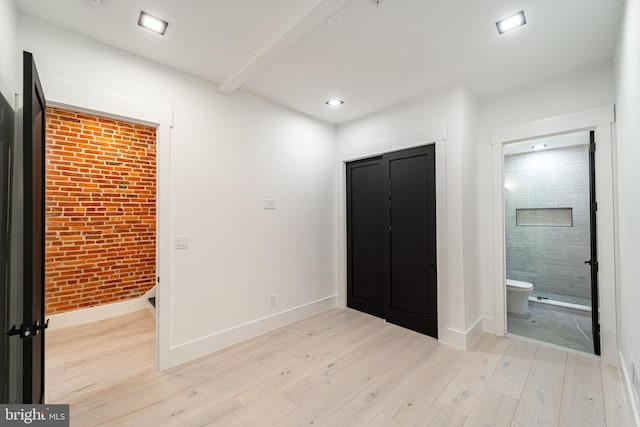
(391, 238)
(595, 312)
(410, 240)
(7, 116)
(34, 229)
(365, 278)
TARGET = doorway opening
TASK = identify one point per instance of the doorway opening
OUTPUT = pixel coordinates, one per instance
(550, 241)
(100, 210)
(100, 246)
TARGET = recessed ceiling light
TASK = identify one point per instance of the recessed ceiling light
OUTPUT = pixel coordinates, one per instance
(539, 147)
(152, 23)
(334, 102)
(513, 21)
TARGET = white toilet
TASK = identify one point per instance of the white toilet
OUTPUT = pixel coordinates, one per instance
(518, 296)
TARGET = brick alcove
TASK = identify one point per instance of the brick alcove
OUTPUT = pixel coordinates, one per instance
(100, 210)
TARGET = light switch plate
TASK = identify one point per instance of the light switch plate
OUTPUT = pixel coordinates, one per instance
(269, 204)
(182, 242)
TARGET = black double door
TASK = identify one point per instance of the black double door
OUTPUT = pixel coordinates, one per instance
(391, 238)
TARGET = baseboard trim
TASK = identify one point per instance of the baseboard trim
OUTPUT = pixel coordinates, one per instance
(453, 338)
(462, 340)
(186, 352)
(629, 395)
(473, 333)
(489, 325)
(93, 314)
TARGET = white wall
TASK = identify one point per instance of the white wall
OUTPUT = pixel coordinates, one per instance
(580, 90)
(627, 72)
(469, 123)
(8, 36)
(227, 154)
(448, 116)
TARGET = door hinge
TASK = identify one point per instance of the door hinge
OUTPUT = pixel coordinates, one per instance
(594, 206)
(592, 147)
(28, 331)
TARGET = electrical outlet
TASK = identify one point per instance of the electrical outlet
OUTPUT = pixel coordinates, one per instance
(274, 300)
(182, 242)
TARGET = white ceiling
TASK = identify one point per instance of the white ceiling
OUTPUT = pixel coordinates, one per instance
(285, 50)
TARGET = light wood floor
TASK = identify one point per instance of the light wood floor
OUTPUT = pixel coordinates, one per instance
(339, 368)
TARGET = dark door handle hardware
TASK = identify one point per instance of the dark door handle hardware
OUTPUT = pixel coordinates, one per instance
(27, 331)
(588, 262)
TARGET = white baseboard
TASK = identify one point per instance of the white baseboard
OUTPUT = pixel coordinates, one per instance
(629, 395)
(473, 333)
(186, 352)
(489, 325)
(100, 312)
(151, 293)
(453, 338)
(462, 340)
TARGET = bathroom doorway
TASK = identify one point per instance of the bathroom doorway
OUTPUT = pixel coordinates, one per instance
(550, 240)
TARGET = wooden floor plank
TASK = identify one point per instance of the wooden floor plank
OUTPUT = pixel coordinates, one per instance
(442, 416)
(513, 370)
(493, 409)
(383, 421)
(363, 409)
(411, 404)
(484, 356)
(267, 411)
(582, 399)
(463, 391)
(541, 397)
(614, 400)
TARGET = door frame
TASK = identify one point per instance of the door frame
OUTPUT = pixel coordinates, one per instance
(70, 96)
(599, 120)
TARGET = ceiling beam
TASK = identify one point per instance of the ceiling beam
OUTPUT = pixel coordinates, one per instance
(303, 20)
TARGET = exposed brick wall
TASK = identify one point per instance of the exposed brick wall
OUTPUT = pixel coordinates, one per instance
(100, 210)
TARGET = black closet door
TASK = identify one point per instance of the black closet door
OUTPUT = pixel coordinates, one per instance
(410, 294)
(391, 238)
(365, 236)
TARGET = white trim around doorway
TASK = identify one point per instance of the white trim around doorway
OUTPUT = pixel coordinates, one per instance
(74, 97)
(600, 120)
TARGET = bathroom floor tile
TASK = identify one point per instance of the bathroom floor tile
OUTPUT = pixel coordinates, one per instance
(556, 325)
